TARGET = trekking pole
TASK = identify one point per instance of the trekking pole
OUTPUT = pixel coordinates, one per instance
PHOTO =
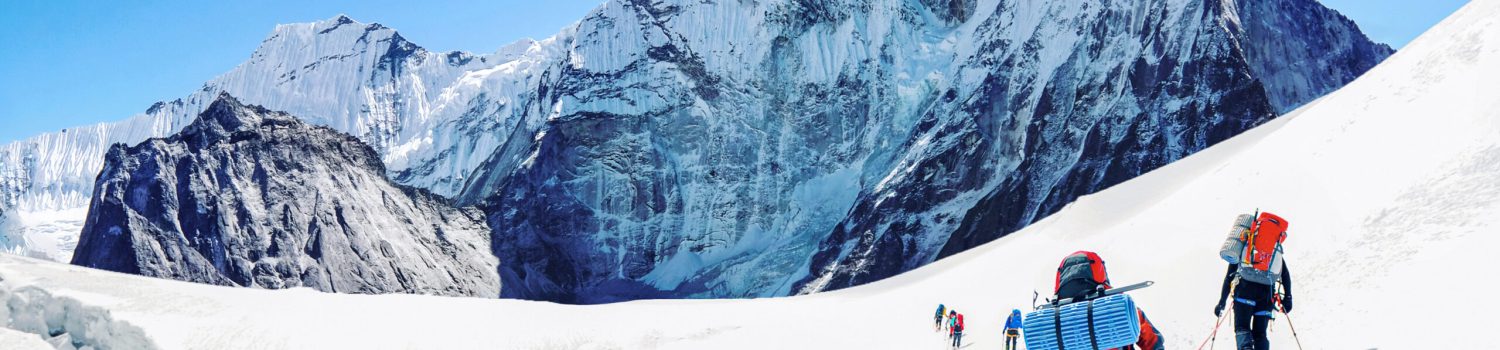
(1294, 330)
(1212, 336)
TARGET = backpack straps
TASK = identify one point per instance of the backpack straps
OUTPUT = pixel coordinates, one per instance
(1093, 338)
(1246, 257)
(1057, 325)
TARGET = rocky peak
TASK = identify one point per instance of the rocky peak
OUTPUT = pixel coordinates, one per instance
(251, 197)
(225, 116)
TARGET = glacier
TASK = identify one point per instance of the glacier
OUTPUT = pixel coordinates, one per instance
(667, 149)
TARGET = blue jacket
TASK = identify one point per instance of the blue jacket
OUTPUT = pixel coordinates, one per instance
(1014, 321)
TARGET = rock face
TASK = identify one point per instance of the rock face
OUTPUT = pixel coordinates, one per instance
(249, 197)
(696, 151)
(1299, 48)
(1099, 93)
(680, 148)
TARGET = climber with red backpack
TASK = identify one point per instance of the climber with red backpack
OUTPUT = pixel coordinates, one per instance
(1083, 285)
(953, 322)
(1256, 263)
(958, 329)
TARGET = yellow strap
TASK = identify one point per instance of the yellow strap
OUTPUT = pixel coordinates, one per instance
(1250, 237)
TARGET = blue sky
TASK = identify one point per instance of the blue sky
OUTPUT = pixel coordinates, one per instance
(69, 63)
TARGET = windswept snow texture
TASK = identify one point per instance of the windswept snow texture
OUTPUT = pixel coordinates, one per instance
(664, 149)
(1365, 246)
(248, 197)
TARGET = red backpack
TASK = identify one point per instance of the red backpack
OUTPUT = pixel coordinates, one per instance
(1080, 274)
(1261, 260)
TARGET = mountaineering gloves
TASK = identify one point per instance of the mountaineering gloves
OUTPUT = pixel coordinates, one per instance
(1219, 310)
(1286, 304)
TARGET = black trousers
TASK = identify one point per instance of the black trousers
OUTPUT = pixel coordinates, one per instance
(1252, 315)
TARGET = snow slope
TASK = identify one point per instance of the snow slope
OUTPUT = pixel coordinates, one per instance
(1390, 184)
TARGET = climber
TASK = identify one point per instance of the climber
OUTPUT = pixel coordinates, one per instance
(1012, 329)
(1256, 265)
(938, 318)
(1083, 273)
(952, 317)
(958, 330)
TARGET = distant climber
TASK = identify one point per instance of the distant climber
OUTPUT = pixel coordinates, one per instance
(952, 318)
(1012, 329)
(1256, 264)
(958, 330)
(938, 318)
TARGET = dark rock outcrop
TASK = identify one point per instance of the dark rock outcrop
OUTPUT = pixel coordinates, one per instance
(249, 197)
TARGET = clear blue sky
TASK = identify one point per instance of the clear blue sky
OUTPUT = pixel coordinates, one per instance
(68, 62)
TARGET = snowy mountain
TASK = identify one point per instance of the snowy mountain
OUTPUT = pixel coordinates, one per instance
(248, 197)
(1107, 91)
(361, 79)
(1368, 248)
(862, 135)
(664, 149)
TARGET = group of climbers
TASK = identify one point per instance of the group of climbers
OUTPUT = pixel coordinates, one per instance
(1257, 276)
(952, 322)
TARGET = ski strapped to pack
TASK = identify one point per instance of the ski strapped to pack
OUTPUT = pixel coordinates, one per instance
(1105, 293)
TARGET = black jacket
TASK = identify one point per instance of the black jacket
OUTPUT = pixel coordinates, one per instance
(1254, 291)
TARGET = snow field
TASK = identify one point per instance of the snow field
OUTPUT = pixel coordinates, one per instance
(1391, 186)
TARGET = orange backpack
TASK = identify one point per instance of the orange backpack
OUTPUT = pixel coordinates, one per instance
(1261, 258)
